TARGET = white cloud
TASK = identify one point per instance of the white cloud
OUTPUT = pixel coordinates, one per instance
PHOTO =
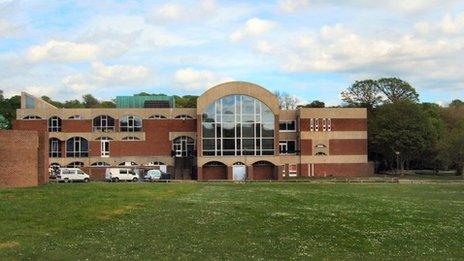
(453, 26)
(253, 27)
(102, 76)
(290, 6)
(63, 51)
(181, 12)
(198, 79)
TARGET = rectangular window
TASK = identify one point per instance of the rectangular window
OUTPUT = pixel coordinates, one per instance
(105, 148)
(289, 126)
(287, 146)
(311, 124)
(329, 124)
(316, 124)
(324, 127)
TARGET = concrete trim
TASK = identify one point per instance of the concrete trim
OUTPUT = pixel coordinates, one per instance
(238, 88)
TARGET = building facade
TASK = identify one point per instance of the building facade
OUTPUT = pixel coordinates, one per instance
(236, 132)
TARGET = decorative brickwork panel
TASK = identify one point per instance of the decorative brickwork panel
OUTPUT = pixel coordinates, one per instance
(306, 147)
(348, 147)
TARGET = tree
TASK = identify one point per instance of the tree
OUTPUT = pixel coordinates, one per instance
(8, 110)
(456, 103)
(52, 102)
(286, 101)
(397, 90)
(72, 104)
(187, 101)
(401, 131)
(1, 95)
(452, 148)
(364, 94)
(314, 104)
(107, 104)
(90, 101)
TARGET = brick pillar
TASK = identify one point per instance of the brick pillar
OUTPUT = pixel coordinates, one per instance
(303, 170)
(250, 172)
(229, 173)
(279, 169)
(286, 170)
(200, 173)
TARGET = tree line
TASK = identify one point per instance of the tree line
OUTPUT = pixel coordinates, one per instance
(404, 133)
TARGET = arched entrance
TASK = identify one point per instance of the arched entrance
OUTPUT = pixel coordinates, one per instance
(214, 170)
(264, 170)
(239, 171)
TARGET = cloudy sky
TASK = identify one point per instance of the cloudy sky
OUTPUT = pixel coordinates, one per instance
(309, 48)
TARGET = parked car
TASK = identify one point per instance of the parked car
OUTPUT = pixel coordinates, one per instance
(120, 174)
(153, 175)
(71, 175)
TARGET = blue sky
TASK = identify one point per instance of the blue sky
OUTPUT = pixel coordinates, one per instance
(312, 49)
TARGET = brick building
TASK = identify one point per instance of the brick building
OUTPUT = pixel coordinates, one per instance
(237, 131)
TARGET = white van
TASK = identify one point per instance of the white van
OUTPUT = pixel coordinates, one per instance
(119, 174)
(72, 174)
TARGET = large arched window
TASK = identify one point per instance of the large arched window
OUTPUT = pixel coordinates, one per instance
(54, 124)
(238, 125)
(103, 123)
(130, 123)
(77, 147)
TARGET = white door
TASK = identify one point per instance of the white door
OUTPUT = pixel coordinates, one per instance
(239, 172)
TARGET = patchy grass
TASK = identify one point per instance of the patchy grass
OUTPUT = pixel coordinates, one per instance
(232, 221)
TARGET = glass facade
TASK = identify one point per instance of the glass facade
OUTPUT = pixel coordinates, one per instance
(238, 125)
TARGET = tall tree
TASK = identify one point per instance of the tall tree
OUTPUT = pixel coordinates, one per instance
(452, 147)
(90, 101)
(397, 90)
(364, 93)
(287, 101)
(401, 131)
(314, 104)
(456, 103)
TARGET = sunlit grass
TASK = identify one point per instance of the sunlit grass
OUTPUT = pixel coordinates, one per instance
(232, 221)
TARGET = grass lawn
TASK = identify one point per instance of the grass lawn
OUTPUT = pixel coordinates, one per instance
(232, 221)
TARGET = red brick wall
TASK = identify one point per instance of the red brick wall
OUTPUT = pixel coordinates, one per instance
(263, 172)
(214, 172)
(37, 125)
(343, 169)
(338, 125)
(348, 147)
(21, 159)
(76, 126)
(306, 147)
(349, 124)
(156, 142)
(303, 170)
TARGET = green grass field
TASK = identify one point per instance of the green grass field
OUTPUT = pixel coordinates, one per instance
(232, 221)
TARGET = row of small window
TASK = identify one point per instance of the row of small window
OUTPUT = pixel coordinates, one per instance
(105, 123)
(78, 146)
(78, 117)
(80, 164)
(323, 124)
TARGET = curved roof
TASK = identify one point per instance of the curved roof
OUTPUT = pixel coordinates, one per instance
(238, 88)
